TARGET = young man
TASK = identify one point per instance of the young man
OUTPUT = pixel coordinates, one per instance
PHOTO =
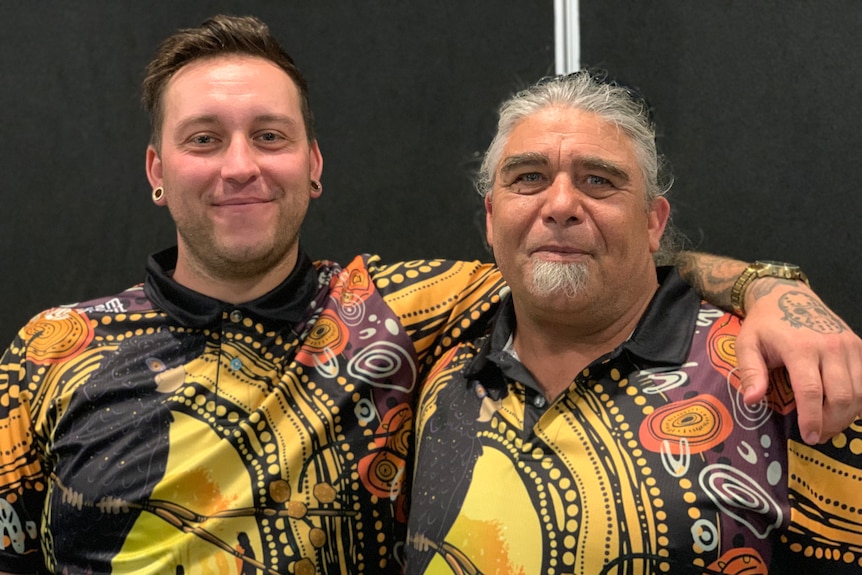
(244, 410)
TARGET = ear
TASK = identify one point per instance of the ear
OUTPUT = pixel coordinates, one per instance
(154, 170)
(657, 217)
(315, 165)
(489, 220)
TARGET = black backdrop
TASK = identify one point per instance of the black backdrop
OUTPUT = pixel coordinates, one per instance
(758, 104)
(760, 108)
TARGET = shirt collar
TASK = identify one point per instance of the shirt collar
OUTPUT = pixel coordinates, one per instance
(662, 337)
(287, 304)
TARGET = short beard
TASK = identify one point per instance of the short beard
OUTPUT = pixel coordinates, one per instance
(557, 278)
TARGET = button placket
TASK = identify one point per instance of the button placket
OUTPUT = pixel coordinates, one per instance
(236, 316)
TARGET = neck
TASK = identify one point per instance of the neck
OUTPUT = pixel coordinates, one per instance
(556, 347)
(236, 288)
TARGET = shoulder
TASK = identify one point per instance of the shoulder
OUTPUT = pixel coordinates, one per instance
(131, 300)
(75, 324)
(415, 282)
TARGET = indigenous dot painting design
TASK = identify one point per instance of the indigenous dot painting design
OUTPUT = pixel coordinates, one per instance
(656, 469)
(236, 448)
(57, 335)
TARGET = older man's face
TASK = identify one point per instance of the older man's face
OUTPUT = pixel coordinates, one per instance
(567, 217)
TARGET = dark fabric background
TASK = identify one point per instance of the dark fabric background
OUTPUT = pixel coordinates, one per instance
(758, 104)
(760, 111)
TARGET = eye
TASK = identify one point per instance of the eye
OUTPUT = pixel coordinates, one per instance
(271, 139)
(526, 182)
(594, 180)
(202, 140)
(529, 177)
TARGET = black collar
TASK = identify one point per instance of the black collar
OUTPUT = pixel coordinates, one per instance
(662, 337)
(287, 304)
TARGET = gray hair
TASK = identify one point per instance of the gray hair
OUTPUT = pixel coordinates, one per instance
(593, 92)
(590, 92)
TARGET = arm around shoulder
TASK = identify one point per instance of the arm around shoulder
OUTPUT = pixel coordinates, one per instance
(787, 325)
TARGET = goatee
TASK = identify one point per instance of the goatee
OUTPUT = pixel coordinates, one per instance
(558, 278)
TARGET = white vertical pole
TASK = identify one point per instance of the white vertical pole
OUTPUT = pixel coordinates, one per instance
(567, 36)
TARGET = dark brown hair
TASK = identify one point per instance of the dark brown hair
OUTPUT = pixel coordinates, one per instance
(216, 36)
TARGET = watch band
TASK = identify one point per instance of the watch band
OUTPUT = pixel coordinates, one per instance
(762, 269)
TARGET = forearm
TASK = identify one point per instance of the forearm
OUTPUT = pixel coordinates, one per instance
(710, 275)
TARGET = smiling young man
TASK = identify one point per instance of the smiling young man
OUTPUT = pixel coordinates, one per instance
(236, 179)
(244, 410)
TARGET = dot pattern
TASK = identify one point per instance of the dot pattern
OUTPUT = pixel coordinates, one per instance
(638, 467)
(240, 446)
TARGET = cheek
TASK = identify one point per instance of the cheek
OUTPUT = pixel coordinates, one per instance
(183, 175)
(623, 232)
(504, 231)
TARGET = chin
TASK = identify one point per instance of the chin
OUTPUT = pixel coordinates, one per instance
(249, 259)
(559, 279)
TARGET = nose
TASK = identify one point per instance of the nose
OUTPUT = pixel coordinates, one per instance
(563, 203)
(240, 162)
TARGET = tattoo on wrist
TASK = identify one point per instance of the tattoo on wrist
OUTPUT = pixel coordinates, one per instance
(764, 286)
(802, 310)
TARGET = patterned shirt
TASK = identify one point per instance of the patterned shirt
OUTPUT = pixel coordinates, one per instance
(162, 431)
(650, 462)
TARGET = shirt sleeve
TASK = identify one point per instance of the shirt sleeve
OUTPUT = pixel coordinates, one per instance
(440, 302)
(824, 484)
(22, 480)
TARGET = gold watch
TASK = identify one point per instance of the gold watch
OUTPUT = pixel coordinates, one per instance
(762, 269)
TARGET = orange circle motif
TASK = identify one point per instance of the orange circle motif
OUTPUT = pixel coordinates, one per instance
(353, 285)
(381, 471)
(740, 561)
(328, 332)
(721, 348)
(57, 335)
(703, 421)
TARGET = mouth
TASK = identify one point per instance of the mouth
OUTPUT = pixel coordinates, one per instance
(238, 202)
(554, 252)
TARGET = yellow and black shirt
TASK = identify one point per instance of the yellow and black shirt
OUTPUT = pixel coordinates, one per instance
(649, 463)
(161, 431)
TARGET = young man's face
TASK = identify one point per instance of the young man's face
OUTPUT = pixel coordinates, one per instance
(235, 163)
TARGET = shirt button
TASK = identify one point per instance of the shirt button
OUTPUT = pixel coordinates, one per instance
(236, 316)
(236, 364)
(539, 401)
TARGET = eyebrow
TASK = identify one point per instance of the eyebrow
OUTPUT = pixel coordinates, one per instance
(517, 161)
(212, 119)
(600, 164)
(512, 163)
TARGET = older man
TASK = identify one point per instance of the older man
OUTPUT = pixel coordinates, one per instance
(600, 426)
(245, 410)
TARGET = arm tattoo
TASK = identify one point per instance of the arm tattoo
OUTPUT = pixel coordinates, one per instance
(711, 276)
(759, 289)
